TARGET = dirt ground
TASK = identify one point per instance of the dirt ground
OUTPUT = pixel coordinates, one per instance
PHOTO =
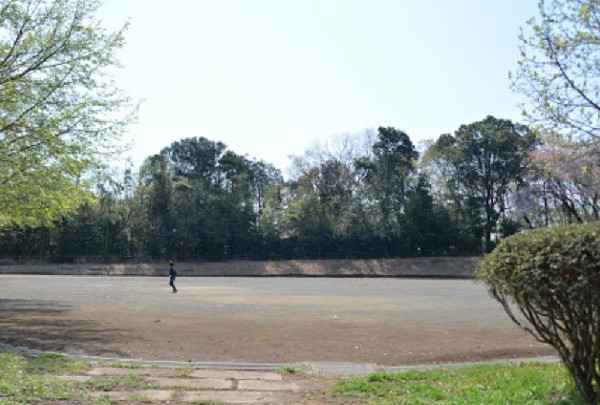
(264, 320)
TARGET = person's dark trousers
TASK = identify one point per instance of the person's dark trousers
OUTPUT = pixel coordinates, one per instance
(172, 283)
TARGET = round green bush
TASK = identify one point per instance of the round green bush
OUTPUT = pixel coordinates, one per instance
(548, 281)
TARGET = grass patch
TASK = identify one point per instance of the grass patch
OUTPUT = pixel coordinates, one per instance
(123, 365)
(287, 369)
(49, 363)
(107, 400)
(184, 372)
(126, 382)
(23, 379)
(490, 384)
(140, 399)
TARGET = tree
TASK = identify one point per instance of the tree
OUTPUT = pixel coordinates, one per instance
(548, 280)
(114, 192)
(387, 173)
(558, 70)
(266, 184)
(326, 208)
(486, 158)
(196, 159)
(59, 110)
(426, 227)
(192, 166)
(156, 188)
(236, 203)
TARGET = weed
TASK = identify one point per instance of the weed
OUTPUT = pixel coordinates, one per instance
(127, 382)
(107, 400)
(184, 372)
(55, 364)
(288, 369)
(124, 365)
(140, 399)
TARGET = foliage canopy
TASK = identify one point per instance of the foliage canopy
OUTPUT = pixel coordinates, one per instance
(483, 161)
(559, 68)
(59, 109)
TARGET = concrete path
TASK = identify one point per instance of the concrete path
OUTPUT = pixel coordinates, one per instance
(188, 385)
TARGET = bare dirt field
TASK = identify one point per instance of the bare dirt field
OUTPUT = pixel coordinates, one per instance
(266, 320)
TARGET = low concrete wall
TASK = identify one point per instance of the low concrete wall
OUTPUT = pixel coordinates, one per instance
(448, 267)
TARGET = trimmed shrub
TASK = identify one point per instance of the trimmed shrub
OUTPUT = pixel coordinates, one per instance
(548, 281)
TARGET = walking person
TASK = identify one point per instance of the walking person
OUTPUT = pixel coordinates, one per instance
(172, 276)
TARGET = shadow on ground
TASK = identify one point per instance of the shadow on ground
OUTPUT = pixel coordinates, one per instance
(44, 325)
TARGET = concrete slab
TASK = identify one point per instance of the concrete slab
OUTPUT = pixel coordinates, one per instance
(342, 369)
(154, 395)
(193, 383)
(237, 375)
(245, 366)
(146, 371)
(230, 397)
(256, 385)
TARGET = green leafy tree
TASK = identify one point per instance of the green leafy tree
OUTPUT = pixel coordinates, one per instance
(306, 219)
(196, 159)
(218, 198)
(558, 70)
(426, 227)
(267, 183)
(155, 193)
(486, 158)
(463, 227)
(386, 174)
(198, 226)
(101, 227)
(59, 110)
(115, 212)
(236, 203)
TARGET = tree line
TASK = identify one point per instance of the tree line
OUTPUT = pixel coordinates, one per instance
(372, 194)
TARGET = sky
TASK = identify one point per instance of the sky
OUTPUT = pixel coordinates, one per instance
(268, 78)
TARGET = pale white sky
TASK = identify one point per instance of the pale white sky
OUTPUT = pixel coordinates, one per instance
(269, 77)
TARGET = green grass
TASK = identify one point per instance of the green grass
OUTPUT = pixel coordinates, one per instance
(140, 399)
(287, 369)
(121, 365)
(32, 379)
(23, 380)
(107, 400)
(56, 364)
(185, 372)
(490, 384)
(126, 382)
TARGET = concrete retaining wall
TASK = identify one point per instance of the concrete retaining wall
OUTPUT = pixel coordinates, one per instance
(448, 267)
